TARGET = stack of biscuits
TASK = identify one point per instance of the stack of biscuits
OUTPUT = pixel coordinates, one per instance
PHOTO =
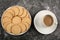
(16, 20)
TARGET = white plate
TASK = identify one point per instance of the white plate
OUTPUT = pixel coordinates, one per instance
(39, 24)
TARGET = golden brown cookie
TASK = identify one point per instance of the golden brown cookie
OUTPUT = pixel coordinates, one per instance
(28, 20)
(24, 13)
(5, 25)
(20, 11)
(15, 9)
(23, 27)
(6, 19)
(26, 25)
(28, 16)
(8, 28)
(16, 20)
(11, 11)
(7, 14)
(16, 29)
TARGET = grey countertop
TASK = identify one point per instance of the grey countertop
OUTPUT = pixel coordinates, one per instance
(33, 6)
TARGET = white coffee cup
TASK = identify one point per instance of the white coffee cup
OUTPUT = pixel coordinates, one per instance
(40, 25)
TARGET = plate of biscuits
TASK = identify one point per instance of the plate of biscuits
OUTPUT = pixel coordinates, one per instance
(16, 20)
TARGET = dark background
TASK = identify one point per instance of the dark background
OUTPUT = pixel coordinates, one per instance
(33, 6)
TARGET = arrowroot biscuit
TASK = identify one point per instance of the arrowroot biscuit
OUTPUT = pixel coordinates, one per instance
(24, 13)
(16, 20)
(20, 11)
(16, 29)
(7, 14)
(5, 25)
(15, 9)
(23, 27)
(11, 11)
(28, 16)
(27, 25)
(6, 19)
(26, 20)
(8, 28)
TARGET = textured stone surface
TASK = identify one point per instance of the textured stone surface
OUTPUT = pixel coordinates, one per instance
(33, 6)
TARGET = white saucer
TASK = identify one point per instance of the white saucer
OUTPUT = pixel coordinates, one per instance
(39, 24)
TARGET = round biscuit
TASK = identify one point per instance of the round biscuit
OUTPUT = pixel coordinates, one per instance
(22, 26)
(11, 11)
(16, 29)
(8, 28)
(27, 25)
(24, 13)
(6, 19)
(15, 9)
(16, 20)
(20, 11)
(7, 14)
(28, 20)
(5, 25)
